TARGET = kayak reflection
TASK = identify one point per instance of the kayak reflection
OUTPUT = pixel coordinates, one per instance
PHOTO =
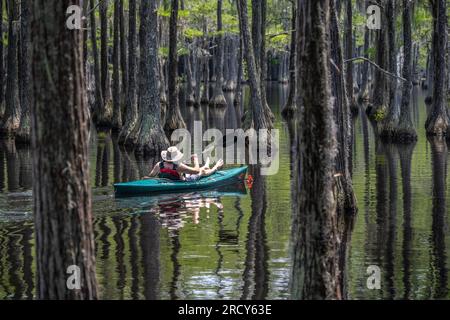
(175, 208)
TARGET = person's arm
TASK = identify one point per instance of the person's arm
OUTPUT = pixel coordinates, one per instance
(182, 168)
(154, 173)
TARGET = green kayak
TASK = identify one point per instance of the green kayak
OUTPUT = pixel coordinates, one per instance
(220, 178)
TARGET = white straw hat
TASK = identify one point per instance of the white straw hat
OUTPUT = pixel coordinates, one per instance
(172, 154)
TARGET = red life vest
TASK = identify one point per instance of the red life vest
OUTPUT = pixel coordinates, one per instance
(167, 173)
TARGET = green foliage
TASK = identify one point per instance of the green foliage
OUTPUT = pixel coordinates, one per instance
(380, 114)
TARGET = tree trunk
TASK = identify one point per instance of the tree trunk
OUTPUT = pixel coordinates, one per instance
(218, 99)
(259, 47)
(405, 131)
(11, 118)
(25, 89)
(345, 198)
(151, 139)
(105, 115)
(290, 107)
(117, 112)
(61, 192)
(2, 67)
(123, 53)
(364, 90)
(437, 122)
(174, 120)
(348, 55)
(98, 107)
(259, 118)
(131, 109)
(316, 248)
(238, 96)
(393, 113)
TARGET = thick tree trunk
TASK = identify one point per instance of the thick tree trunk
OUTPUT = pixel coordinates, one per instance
(405, 131)
(437, 122)
(259, 118)
(345, 197)
(290, 107)
(25, 85)
(378, 108)
(259, 49)
(117, 112)
(174, 120)
(393, 113)
(316, 248)
(218, 99)
(105, 114)
(11, 118)
(131, 109)
(61, 192)
(151, 139)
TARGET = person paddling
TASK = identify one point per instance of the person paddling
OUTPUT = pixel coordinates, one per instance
(172, 168)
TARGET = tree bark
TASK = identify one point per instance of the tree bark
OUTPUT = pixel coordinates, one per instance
(378, 108)
(61, 192)
(290, 107)
(437, 122)
(123, 53)
(25, 85)
(349, 55)
(174, 120)
(405, 131)
(105, 115)
(218, 99)
(98, 107)
(117, 112)
(151, 139)
(11, 118)
(393, 113)
(259, 118)
(315, 272)
(131, 109)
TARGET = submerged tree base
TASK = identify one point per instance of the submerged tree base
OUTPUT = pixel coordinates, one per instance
(436, 125)
(399, 135)
(218, 101)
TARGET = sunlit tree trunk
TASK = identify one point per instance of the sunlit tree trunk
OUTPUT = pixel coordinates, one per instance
(61, 191)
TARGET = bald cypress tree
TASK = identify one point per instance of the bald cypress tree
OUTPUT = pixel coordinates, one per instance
(61, 192)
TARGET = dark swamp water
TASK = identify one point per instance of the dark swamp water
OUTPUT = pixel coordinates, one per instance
(233, 243)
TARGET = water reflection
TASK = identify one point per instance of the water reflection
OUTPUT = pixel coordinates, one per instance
(232, 243)
(439, 154)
